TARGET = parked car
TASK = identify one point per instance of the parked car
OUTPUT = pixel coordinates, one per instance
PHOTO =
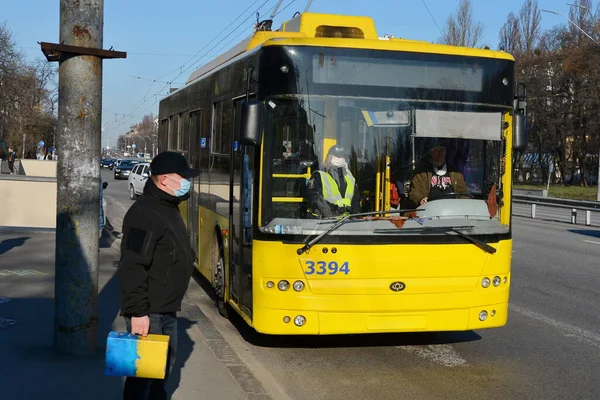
(137, 179)
(123, 167)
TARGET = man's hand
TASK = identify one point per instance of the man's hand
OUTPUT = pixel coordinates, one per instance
(423, 200)
(140, 325)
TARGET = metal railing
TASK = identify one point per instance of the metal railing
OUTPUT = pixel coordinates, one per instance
(574, 205)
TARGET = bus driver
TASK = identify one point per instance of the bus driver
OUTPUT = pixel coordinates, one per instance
(333, 191)
(438, 179)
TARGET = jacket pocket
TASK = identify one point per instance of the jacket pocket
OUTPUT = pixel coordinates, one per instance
(170, 266)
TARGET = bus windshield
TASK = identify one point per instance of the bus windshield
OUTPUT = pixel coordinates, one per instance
(327, 156)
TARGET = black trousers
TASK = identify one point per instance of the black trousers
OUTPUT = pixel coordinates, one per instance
(154, 389)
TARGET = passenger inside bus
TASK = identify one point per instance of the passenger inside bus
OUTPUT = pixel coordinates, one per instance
(332, 191)
(437, 178)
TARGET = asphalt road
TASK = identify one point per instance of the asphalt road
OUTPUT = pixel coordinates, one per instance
(117, 198)
(549, 349)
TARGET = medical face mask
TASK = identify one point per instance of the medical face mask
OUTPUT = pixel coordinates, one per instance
(440, 171)
(184, 187)
(338, 162)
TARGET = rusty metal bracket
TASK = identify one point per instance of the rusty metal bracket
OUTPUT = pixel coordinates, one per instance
(54, 51)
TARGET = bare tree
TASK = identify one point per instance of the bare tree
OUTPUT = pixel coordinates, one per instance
(530, 19)
(522, 35)
(462, 30)
(560, 68)
(510, 35)
(581, 12)
(26, 104)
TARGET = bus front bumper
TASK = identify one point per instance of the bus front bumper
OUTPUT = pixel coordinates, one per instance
(273, 321)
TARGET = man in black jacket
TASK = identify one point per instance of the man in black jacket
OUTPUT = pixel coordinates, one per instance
(156, 263)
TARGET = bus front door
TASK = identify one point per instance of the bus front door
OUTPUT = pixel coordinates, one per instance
(240, 256)
(193, 160)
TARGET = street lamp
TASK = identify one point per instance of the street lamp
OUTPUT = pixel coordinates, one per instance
(145, 143)
(574, 24)
(153, 142)
(593, 40)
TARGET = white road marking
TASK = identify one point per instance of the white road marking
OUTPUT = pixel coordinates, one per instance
(443, 354)
(570, 331)
(591, 241)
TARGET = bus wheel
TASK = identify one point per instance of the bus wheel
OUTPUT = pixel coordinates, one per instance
(219, 276)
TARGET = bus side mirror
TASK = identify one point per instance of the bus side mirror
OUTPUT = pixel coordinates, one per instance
(104, 185)
(520, 132)
(251, 129)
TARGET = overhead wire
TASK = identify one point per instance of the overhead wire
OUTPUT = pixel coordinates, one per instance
(226, 44)
(144, 99)
(214, 54)
(208, 53)
(193, 59)
(432, 17)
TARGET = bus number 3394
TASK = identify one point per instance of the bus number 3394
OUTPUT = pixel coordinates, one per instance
(324, 268)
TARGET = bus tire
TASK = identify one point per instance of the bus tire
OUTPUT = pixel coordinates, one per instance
(218, 262)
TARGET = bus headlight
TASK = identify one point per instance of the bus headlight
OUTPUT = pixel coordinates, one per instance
(496, 281)
(270, 284)
(283, 285)
(298, 286)
(485, 282)
(299, 320)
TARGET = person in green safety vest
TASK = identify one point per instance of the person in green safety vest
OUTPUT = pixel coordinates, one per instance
(332, 191)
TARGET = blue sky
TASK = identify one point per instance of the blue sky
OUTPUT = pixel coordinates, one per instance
(159, 36)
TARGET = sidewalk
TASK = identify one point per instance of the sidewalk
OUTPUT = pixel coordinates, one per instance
(30, 369)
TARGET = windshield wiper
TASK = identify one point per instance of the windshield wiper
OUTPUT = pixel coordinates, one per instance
(308, 244)
(481, 244)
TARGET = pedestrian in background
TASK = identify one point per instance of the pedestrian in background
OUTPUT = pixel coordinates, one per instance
(11, 157)
(156, 263)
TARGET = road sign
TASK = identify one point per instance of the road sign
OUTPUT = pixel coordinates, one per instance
(203, 142)
(41, 143)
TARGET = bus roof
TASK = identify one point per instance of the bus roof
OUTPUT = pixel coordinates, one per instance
(332, 30)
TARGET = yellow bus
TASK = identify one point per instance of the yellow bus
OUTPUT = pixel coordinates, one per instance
(259, 122)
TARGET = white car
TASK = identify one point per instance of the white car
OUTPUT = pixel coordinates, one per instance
(137, 179)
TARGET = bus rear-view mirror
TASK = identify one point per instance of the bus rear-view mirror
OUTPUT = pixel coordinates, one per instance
(520, 132)
(251, 129)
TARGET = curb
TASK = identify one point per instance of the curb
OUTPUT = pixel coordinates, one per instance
(8, 229)
(224, 353)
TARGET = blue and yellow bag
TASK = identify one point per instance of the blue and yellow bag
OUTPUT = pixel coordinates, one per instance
(136, 356)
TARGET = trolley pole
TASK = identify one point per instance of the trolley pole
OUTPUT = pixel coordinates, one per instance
(78, 141)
